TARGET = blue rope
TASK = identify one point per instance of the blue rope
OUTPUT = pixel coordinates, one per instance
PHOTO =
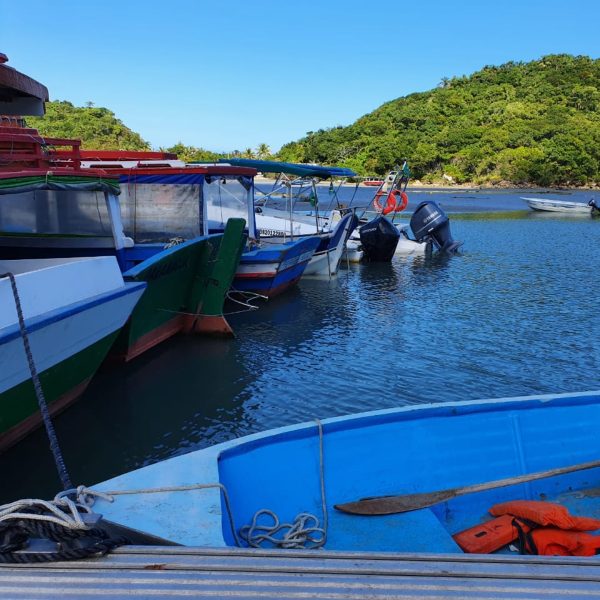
(58, 458)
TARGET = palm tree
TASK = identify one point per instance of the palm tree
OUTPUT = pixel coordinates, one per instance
(263, 151)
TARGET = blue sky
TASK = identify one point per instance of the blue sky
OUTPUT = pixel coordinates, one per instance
(230, 75)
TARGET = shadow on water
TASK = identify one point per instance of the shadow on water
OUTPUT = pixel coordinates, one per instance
(186, 394)
(176, 398)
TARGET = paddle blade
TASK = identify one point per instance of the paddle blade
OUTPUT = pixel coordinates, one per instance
(389, 505)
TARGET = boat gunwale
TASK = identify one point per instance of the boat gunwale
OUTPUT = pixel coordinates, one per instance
(402, 413)
(64, 312)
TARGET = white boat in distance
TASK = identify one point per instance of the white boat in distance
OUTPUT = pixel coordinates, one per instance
(562, 206)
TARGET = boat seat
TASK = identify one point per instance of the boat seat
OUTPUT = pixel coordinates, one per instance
(416, 531)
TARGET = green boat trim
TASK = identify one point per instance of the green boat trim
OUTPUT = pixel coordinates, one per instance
(62, 383)
(185, 283)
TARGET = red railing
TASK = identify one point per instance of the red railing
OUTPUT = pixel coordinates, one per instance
(24, 148)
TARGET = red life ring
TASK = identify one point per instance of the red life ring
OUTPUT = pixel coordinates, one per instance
(401, 203)
(390, 203)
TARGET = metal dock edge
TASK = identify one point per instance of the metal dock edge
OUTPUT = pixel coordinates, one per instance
(168, 572)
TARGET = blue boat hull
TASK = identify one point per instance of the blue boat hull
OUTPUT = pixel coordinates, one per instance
(272, 270)
(406, 450)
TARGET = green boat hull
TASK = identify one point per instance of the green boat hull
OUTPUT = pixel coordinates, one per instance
(186, 289)
(62, 384)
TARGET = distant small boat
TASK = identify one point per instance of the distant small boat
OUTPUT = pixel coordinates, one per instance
(373, 182)
(562, 206)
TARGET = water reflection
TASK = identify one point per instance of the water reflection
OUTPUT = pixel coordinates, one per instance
(514, 314)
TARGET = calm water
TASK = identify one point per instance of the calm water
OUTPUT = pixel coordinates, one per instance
(517, 313)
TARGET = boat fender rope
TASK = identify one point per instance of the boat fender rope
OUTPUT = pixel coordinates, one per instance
(50, 431)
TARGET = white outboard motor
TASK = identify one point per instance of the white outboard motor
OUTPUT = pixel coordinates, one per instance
(429, 222)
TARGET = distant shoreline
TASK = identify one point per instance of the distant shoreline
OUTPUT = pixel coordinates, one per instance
(418, 185)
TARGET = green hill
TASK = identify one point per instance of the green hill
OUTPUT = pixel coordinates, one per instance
(523, 123)
(97, 128)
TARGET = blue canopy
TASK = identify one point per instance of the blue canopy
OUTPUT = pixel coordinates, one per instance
(269, 166)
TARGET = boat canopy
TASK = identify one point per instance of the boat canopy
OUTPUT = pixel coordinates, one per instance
(268, 166)
(56, 205)
(158, 204)
(31, 181)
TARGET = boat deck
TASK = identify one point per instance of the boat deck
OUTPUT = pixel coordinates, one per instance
(168, 572)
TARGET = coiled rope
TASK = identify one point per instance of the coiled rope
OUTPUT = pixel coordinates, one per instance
(304, 532)
(68, 522)
(54, 446)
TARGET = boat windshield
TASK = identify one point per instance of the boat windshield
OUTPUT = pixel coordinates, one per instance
(55, 212)
(227, 197)
(158, 212)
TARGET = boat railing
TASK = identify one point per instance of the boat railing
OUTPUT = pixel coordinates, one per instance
(25, 148)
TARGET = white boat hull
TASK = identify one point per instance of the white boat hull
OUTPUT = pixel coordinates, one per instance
(96, 304)
(559, 206)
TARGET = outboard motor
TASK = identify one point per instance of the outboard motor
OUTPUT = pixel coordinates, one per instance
(379, 239)
(595, 207)
(429, 222)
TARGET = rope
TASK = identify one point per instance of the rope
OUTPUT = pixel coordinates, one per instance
(305, 531)
(176, 241)
(54, 446)
(87, 497)
(62, 520)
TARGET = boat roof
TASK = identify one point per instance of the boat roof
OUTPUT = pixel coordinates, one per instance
(163, 172)
(126, 155)
(20, 94)
(269, 166)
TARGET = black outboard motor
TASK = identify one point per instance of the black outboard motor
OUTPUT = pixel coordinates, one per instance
(379, 239)
(429, 222)
(595, 207)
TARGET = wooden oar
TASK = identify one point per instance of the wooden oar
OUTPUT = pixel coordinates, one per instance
(388, 505)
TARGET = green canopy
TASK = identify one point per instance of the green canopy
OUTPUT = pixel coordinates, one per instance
(11, 184)
(269, 166)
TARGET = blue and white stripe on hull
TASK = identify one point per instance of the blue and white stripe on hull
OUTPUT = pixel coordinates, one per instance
(97, 304)
(272, 270)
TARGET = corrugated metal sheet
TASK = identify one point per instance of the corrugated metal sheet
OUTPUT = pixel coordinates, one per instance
(159, 572)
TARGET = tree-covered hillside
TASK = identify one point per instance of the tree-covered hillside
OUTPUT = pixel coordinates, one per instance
(536, 122)
(98, 128)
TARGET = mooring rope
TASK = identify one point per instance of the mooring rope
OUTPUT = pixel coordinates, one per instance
(87, 496)
(304, 532)
(68, 522)
(54, 446)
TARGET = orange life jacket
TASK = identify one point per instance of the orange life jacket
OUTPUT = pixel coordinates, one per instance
(550, 541)
(545, 514)
(491, 535)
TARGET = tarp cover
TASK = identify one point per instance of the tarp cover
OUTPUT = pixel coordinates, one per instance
(228, 198)
(268, 166)
(157, 212)
(55, 212)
